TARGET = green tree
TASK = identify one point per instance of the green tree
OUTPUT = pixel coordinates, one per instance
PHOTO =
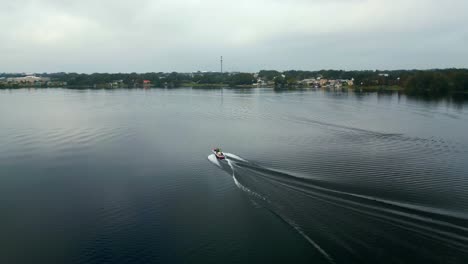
(241, 79)
(280, 81)
(427, 82)
(268, 75)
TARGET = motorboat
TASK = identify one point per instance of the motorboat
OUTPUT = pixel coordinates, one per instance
(218, 153)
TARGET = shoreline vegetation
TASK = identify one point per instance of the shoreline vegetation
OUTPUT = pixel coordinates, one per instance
(412, 82)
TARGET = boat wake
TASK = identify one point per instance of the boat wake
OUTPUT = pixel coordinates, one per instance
(349, 227)
(230, 162)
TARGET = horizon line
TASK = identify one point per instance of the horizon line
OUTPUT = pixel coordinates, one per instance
(200, 71)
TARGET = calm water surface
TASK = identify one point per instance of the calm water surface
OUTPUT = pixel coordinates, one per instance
(126, 176)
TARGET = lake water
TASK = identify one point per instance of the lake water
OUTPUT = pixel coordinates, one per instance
(126, 176)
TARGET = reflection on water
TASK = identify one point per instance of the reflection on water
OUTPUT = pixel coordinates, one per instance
(121, 176)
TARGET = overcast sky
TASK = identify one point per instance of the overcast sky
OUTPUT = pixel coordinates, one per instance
(189, 35)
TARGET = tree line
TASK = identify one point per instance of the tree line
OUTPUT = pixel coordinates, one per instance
(158, 79)
(437, 81)
(430, 82)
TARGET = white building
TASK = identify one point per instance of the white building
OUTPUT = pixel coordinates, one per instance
(28, 79)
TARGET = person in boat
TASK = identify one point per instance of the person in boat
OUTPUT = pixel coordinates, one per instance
(218, 151)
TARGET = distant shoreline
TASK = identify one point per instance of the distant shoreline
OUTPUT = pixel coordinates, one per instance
(416, 82)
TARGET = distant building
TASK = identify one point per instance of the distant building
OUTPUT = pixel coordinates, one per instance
(146, 82)
(309, 82)
(323, 82)
(116, 83)
(261, 82)
(28, 79)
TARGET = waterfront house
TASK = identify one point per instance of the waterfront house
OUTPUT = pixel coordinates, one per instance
(309, 82)
(323, 82)
(28, 79)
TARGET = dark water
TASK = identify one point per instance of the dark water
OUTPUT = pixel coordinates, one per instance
(125, 176)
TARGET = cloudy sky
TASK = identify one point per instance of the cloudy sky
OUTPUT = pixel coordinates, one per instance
(189, 35)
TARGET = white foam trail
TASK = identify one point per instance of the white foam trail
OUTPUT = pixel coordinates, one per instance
(242, 187)
(214, 160)
(230, 155)
(312, 242)
(232, 167)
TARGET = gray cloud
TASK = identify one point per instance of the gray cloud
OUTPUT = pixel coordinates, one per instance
(167, 35)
